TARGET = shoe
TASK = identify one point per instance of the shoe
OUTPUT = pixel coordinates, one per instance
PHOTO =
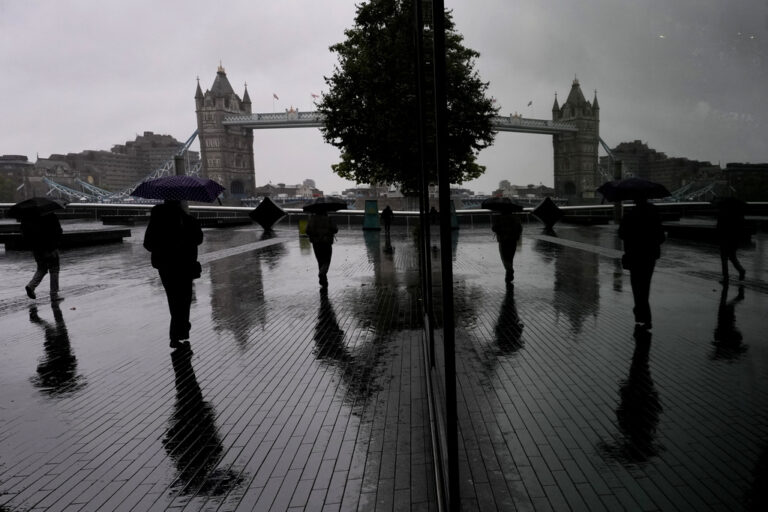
(742, 274)
(176, 344)
(30, 292)
(323, 282)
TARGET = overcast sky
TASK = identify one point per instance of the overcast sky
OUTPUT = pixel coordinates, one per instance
(688, 77)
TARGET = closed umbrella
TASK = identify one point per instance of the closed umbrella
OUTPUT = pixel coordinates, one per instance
(179, 188)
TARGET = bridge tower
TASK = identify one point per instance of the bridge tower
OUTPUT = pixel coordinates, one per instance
(226, 151)
(576, 171)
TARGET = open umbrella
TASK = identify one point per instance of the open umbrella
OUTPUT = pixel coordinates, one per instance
(267, 213)
(325, 204)
(179, 188)
(34, 207)
(631, 189)
(501, 205)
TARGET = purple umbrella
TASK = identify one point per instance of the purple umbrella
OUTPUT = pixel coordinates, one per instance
(179, 188)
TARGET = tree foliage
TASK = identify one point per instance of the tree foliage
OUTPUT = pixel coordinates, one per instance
(371, 110)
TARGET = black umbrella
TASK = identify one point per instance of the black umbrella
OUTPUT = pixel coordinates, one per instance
(730, 204)
(501, 204)
(179, 188)
(34, 207)
(267, 213)
(631, 189)
(325, 204)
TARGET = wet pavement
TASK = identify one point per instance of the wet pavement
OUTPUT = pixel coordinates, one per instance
(294, 399)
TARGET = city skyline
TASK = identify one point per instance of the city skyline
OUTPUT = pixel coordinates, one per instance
(685, 79)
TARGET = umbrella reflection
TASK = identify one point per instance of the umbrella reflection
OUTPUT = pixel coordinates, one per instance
(192, 439)
(639, 407)
(728, 339)
(57, 371)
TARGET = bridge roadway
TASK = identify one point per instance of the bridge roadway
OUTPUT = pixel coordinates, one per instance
(296, 119)
(296, 400)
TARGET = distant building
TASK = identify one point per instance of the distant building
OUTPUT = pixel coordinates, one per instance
(283, 191)
(576, 171)
(226, 152)
(13, 169)
(749, 181)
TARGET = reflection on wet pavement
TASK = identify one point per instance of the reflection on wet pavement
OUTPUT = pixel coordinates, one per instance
(295, 398)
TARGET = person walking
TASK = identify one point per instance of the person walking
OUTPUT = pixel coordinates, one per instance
(386, 218)
(172, 238)
(508, 229)
(43, 234)
(321, 230)
(730, 229)
(642, 233)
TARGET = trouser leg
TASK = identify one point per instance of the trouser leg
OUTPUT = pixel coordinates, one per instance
(323, 253)
(507, 253)
(53, 268)
(178, 290)
(640, 278)
(42, 269)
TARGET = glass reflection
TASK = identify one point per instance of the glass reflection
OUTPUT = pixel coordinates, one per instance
(192, 439)
(57, 371)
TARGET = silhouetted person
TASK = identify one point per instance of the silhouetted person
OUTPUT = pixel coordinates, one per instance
(434, 216)
(57, 370)
(321, 230)
(172, 237)
(508, 230)
(192, 439)
(639, 406)
(509, 328)
(386, 218)
(730, 230)
(643, 235)
(728, 338)
(43, 234)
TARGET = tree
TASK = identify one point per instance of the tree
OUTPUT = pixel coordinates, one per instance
(371, 108)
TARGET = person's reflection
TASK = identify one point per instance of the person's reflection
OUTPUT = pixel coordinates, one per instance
(329, 337)
(57, 370)
(192, 439)
(388, 248)
(728, 339)
(356, 370)
(509, 328)
(639, 407)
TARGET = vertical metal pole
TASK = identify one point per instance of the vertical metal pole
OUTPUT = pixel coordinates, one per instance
(449, 342)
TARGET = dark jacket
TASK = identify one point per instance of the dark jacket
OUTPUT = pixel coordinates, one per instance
(42, 234)
(172, 237)
(507, 228)
(642, 232)
(321, 229)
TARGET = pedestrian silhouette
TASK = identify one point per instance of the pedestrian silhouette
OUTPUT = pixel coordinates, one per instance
(727, 337)
(321, 230)
(434, 216)
(192, 440)
(57, 371)
(643, 235)
(730, 230)
(508, 229)
(386, 218)
(42, 233)
(172, 237)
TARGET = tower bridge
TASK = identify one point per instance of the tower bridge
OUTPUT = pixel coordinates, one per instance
(225, 125)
